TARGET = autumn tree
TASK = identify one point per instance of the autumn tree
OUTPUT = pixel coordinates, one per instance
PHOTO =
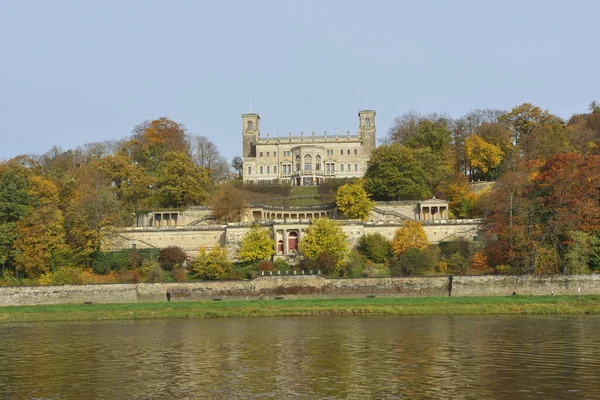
(256, 245)
(481, 155)
(211, 265)
(171, 257)
(410, 235)
(40, 246)
(353, 200)
(229, 204)
(324, 236)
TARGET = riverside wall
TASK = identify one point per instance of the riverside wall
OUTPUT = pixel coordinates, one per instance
(301, 286)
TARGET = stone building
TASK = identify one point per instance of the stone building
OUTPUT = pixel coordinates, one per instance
(306, 159)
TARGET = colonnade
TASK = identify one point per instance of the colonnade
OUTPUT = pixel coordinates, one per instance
(274, 215)
(165, 219)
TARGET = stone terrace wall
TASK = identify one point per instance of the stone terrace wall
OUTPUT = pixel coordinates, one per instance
(301, 286)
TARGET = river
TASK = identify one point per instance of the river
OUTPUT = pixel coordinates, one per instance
(430, 357)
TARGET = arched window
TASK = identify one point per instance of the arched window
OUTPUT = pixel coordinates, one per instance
(367, 122)
(307, 162)
(250, 125)
(298, 165)
(318, 162)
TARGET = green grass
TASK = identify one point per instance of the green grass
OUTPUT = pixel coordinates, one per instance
(305, 307)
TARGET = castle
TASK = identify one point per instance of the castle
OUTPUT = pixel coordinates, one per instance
(306, 159)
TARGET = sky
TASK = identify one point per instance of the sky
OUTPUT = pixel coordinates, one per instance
(76, 72)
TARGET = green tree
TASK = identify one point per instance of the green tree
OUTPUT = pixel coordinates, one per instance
(211, 265)
(410, 235)
(324, 236)
(414, 261)
(375, 247)
(393, 173)
(15, 202)
(256, 245)
(577, 257)
(353, 200)
(180, 182)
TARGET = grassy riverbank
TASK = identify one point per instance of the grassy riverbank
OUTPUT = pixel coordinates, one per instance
(305, 307)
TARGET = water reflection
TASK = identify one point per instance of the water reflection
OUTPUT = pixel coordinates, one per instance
(329, 358)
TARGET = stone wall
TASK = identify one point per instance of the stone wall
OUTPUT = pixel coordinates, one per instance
(301, 286)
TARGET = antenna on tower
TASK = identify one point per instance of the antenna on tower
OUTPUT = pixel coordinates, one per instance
(250, 104)
(366, 101)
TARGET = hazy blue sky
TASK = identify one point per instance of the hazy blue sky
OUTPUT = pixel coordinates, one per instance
(74, 72)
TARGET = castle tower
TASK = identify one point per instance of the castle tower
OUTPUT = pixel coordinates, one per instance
(250, 132)
(367, 130)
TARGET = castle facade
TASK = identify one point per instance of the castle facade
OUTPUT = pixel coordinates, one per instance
(306, 159)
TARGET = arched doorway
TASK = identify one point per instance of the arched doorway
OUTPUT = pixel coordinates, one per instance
(293, 241)
(280, 247)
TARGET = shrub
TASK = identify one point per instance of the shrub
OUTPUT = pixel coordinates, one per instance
(180, 275)
(375, 247)
(265, 266)
(104, 262)
(281, 265)
(460, 246)
(414, 261)
(156, 274)
(135, 259)
(212, 265)
(171, 258)
(458, 264)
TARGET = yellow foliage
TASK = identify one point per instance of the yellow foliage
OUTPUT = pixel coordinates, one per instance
(353, 200)
(410, 235)
(481, 154)
(256, 245)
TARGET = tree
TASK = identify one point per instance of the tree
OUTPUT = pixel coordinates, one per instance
(229, 204)
(482, 155)
(211, 265)
(577, 257)
(375, 247)
(353, 200)
(324, 235)
(40, 246)
(206, 155)
(393, 173)
(410, 235)
(257, 245)
(414, 261)
(152, 140)
(180, 182)
(171, 257)
(15, 202)
(238, 166)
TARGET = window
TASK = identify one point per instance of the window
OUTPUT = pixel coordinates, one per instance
(260, 154)
(355, 151)
(261, 169)
(328, 167)
(249, 170)
(274, 154)
(274, 169)
(355, 167)
(298, 163)
(318, 163)
(268, 169)
(307, 162)
(341, 152)
(349, 168)
(250, 125)
(341, 167)
(348, 151)
(268, 154)
(367, 122)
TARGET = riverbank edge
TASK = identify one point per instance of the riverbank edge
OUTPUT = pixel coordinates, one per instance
(387, 306)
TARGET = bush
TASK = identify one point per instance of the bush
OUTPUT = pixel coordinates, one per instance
(460, 246)
(171, 258)
(180, 275)
(375, 247)
(325, 262)
(104, 262)
(156, 274)
(281, 265)
(265, 266)
(61, 276)
(414, 261)
(458, 264)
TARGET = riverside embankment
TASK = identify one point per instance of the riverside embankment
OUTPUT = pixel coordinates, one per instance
(303, 286)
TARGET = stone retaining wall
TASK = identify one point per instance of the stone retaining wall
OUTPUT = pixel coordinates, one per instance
(301, 286)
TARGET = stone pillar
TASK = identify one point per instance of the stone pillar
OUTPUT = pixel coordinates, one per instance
(285, 241)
